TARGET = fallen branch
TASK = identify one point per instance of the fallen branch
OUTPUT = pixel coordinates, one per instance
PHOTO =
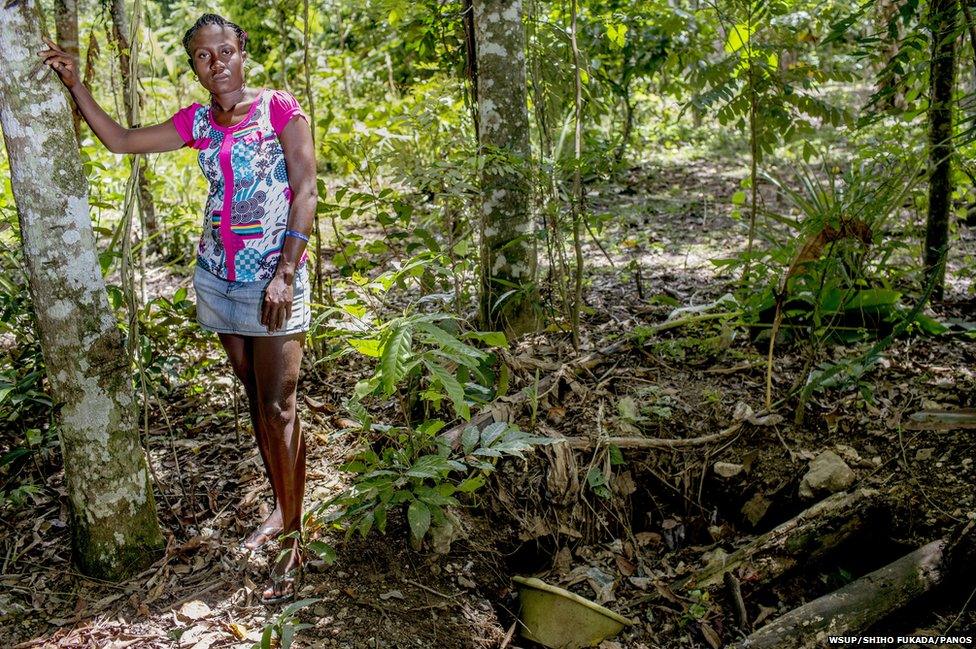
(855, 607)
(489, 416)
(942, 419)
(654, 442)
(809, 535)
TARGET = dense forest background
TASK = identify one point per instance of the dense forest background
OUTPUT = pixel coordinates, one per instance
(751, 298)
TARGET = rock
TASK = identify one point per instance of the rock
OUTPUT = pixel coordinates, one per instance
(441, 537)
(828, 474)
(727, 469)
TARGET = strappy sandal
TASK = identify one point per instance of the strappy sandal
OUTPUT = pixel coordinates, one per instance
(279, 584)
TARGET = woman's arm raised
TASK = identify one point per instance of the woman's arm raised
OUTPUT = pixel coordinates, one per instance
(115, 137)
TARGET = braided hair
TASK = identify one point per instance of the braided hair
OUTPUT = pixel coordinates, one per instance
(219, 21)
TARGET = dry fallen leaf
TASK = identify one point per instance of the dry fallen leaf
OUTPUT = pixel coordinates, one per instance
(711, 637)
(194, 610)
(625, 567)
(238, 631)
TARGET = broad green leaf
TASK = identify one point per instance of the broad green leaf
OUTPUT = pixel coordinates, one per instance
(469, 439)
(873, 298)
(366, 346)
(428, 466)
(449, 342)
(737, 37)
(617, 34)
(294, 607)
(323, 551)
(490, 338)
(452, 387)
(493, 432)
(471, 484)
(396, 351)
(418, 515)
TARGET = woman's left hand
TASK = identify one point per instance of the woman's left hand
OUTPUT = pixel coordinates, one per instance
(276, 310)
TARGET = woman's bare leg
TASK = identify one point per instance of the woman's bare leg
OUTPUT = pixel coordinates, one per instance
(240, 351)
(276, 363)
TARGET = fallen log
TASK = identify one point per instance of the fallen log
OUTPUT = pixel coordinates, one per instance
(805, 537)
(855, 607)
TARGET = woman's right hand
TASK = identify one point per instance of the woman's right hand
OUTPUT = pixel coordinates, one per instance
(61, 62)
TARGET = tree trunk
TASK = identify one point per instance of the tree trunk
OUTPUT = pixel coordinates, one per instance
(66, 26)
(114, 526)
(132, 100)
(508, 248)
(942, 78)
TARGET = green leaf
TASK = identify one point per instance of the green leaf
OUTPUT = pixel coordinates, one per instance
(428, 466)
(493, 432)
(287, 635)
(294, 607)
(469, 439)
(617, 34)
(452, 387)
(418, 515)
(396, 351)
(366, 346)
(739, 198)
(471, 484)
(616, 455)
(738, 36)
(449, 342)
(873, 298)
(323, 551)
(490, 338)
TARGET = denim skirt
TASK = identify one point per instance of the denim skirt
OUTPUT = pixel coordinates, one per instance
(235, 307)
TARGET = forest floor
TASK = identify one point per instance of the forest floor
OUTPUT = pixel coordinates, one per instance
(629, 539)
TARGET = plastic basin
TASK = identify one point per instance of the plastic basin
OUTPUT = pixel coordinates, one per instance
(557, 618)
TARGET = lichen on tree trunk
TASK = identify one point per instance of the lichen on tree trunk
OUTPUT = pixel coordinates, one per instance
(509, 299)
(114, 526)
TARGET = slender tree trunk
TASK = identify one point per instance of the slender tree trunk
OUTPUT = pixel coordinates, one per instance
(942, 79)
(66, 25)
(967, 12)
(577, 199)
(310, 99)
(283, 49)
(508, 248)
(471, 63)
(132, 100)
(114, 526)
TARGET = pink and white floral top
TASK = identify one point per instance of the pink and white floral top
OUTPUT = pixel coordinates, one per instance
(249, 200)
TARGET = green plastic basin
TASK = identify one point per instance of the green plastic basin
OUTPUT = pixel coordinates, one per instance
(557, 618)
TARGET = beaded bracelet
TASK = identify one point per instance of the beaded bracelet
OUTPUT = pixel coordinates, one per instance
(296, 234)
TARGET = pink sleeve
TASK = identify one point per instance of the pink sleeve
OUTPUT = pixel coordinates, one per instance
(283, 107)
(183, 121)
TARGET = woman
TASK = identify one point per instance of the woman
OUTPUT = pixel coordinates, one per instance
(251, 279)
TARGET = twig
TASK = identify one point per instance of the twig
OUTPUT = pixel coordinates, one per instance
(508, 636)
(654, 442)
(428, 589)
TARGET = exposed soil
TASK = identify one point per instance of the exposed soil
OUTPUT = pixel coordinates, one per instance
(628, 542)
